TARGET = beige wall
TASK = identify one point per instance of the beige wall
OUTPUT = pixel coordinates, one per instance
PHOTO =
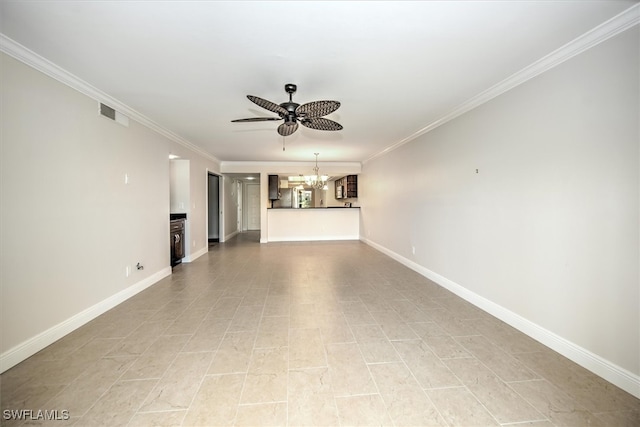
(70, 223)
(546, 232)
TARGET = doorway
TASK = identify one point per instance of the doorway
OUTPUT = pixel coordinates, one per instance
(253, 206)
(213, 202)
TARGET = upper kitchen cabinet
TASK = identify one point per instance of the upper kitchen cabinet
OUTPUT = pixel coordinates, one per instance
(274, 187)
(347, 187)
(352, 186)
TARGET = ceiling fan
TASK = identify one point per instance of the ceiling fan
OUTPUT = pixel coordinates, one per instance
(309, 114)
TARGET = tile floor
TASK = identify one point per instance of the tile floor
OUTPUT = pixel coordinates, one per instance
(327, 334)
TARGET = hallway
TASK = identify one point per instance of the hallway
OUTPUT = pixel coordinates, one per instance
(305, 333)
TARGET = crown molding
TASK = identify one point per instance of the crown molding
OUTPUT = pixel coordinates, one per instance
(32, 59)
(610, 28)
(233, 166)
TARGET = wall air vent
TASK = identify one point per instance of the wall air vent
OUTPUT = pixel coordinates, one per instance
(107, 111)
(112, 114)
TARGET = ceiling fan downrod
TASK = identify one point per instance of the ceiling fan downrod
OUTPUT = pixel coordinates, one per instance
(290, 88)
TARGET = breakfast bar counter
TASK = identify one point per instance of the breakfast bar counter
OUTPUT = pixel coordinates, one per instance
(308, 224)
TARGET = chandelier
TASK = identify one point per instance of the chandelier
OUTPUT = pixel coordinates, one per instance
(317, 181)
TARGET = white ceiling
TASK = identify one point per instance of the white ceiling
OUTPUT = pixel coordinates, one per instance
(396, 67)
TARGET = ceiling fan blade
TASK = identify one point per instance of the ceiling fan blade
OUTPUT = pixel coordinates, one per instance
(320, 123)
(267, 105)
(256, 119)
(317, 108)
(287, 129)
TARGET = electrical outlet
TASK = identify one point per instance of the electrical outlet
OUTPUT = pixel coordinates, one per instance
(413, 250)
(127, 271)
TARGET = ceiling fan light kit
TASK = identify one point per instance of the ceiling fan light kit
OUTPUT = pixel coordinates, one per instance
(309, 115)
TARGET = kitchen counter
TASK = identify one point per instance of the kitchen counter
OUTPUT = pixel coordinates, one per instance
(326, 207)
(308, 224)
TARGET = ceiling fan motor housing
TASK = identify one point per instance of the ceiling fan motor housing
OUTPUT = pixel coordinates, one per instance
(289, 119)
(291, 108)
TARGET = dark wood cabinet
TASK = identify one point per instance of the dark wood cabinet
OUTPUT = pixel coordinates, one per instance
(176, 237)
(274, 187)
(347, 187)
(352, 186)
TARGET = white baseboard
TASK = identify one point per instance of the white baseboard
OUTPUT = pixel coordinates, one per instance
(33, 345)
(312, 238)
(192, 257)
(230, 235)
(611, 372)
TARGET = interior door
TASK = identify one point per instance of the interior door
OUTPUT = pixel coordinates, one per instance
(240, 223)
(214, 207)
(253, 207)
